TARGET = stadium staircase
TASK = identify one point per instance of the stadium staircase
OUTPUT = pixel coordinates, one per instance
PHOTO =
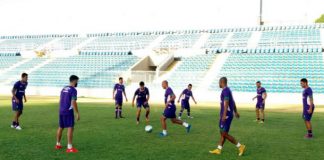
(226, 40)
(322, 36)
(214, 70)
(254, 40)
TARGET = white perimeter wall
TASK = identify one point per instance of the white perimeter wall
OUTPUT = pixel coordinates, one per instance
(157, 94)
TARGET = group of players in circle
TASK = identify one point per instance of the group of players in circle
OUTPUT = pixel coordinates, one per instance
(69, 109)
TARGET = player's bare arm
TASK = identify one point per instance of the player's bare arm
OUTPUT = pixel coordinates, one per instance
(180, 97)
(265, 97)
(113, 94)
(147, 98)
(13, 91)
(237, 115)
(125, 95)
(25, 98)
(193, 98)
(172, 98)
(311, 100)
(226, 104)
(133, 100)
(75, 107)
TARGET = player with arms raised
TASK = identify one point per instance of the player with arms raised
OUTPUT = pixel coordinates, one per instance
(118, 92)
(308, 106)
(18, 93)
(185, 95)
(261, 98)
(143, 96)
(68, 105)
(170, 110)
(227, 108)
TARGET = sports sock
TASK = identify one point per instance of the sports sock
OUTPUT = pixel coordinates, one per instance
(164, 132)
(69, 146)
(116, 112)
(180, 113)
(14, 123)
(238, 145)
(310, 132)
(262, 120)
(185, 124)
(58, 143)
(220, 147)
(258, 119)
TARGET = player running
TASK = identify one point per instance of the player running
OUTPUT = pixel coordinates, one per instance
(18, 93)
(227, 107)
(185, 95)
(68, 105)
(143, 96)
(308, 106)
(261, 98)
(118, 91)
(170, 110)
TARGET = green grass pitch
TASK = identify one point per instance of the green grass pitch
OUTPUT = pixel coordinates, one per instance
(99, 136)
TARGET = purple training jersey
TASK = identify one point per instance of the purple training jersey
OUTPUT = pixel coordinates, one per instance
(141, 94)
(20, 88)
(119, 88)
(307, 95)
(187, 94)
(168, 93)
(68, 94)
(227, 95)
(260, 92)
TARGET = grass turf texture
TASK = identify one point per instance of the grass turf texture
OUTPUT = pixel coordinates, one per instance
(99, 136)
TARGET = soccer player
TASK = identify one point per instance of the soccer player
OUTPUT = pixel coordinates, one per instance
(68, 105)
(261, 97)
(170, 110)
(185, 95)
(118, 91)
(227, 107)
(18, 94)
(308, 106)
(143, 96)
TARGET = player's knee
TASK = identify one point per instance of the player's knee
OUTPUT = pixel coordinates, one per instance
(223, 133)
(174, 120)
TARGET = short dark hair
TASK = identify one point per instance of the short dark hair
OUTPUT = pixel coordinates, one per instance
(258, 82)
(141, 83)
(223, 79)
(23, 75)
(304, 80)
(190, 85)
(73, 78)
(120, 78)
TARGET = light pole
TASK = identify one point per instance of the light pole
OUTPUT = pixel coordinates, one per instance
(261, 21)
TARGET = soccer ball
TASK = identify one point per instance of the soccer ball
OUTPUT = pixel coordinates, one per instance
(148, 128)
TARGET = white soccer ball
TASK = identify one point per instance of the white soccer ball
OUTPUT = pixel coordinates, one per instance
(148, 128)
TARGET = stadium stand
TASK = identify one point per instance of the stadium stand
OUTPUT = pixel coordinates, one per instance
(281, 56)
(95, 71)
(280, 71)
(119, 43)
(191, 70)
